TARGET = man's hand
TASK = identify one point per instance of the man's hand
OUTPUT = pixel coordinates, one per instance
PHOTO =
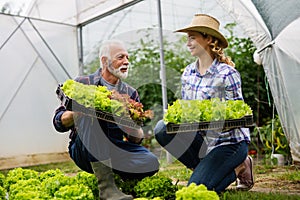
(134, 135)
(67, 118)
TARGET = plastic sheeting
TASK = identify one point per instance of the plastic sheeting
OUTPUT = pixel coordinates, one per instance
(34, 59)
(275, 27)
(74, 12)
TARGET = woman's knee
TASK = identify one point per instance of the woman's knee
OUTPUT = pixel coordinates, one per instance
(160, 127)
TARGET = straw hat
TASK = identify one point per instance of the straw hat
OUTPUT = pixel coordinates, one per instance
(206, 24)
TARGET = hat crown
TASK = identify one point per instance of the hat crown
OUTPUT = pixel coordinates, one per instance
(205, 21)
(206, 24)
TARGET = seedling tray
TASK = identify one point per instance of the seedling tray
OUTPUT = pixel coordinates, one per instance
(73, 105)
(222, 125)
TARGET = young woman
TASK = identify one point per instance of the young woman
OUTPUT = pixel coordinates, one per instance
(216, 158)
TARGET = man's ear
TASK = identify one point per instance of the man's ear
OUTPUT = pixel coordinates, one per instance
(104, 61)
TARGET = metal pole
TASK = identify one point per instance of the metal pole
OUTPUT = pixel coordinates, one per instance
(162, 60)
(162, 69)
(80, 45)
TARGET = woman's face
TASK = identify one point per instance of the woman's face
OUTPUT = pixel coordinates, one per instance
(197, 43)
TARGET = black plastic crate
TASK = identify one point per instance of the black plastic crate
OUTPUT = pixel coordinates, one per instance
(73, 105)
(222, 125)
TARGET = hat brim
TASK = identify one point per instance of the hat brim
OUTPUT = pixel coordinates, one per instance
(212, 32)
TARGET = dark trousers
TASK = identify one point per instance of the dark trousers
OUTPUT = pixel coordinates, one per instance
(130, 161)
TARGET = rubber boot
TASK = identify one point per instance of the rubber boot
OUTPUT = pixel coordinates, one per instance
(106, 182)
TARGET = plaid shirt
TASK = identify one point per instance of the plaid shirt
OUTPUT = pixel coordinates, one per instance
(220, 81)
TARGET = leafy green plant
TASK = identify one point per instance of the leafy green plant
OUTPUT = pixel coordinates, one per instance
(14, 175)
(31, 195)
(2, 180)
(126, 186)
(50, 173)
(89, 180)
(156, 186)
(189, 111)
(2, 193)
(194, 191)
(32, 186)
(273, 137)
(76, 191)
(52, 184)
(100, 98)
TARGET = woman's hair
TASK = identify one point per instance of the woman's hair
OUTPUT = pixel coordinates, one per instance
(219, 53)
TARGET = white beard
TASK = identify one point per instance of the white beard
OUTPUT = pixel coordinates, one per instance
(117, 72)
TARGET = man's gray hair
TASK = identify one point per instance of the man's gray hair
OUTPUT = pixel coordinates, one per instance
(105, 48)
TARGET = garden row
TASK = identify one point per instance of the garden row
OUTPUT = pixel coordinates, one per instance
(28, 184)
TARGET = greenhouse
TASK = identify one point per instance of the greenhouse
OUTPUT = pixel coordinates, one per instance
(45, 42)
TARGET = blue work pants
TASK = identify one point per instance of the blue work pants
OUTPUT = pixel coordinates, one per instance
(214, 169)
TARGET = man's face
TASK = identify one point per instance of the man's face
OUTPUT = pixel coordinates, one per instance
(118, 64)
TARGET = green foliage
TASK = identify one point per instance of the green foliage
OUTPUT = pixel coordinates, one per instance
(2, 180)
(272, 134)
(27, 184)
(74, 192)
(126, 186)
(190, 111)
(254, 85)
(52, 184)
(89, 180)
(194, 191)
(156, 186)
(90, 96)
(50, 173)
(31, 195)
(32, 186)
(174, 170)
(14, 175)
(100, 98)
(2, 193)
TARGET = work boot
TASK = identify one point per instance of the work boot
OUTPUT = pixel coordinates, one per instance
(106, 182)
(245, 180)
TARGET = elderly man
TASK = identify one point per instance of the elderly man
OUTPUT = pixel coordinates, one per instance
(98, 146)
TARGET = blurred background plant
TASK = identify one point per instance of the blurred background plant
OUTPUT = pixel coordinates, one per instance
(273, 139)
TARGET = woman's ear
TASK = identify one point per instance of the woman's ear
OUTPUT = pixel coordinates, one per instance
(209, 39)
